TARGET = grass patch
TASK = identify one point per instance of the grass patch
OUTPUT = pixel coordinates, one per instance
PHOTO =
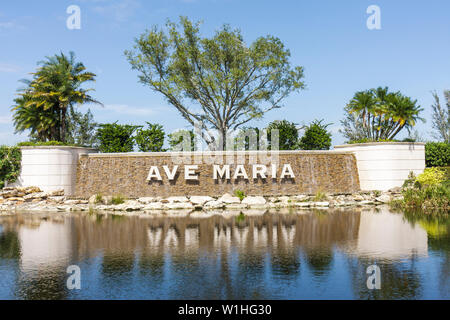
(118, 200)
(320, 196)
(98, 198)
(240, 194)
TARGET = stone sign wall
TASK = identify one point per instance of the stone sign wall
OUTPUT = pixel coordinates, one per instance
(163, 174)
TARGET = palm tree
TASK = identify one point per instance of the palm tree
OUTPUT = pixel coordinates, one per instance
(57, 85)
(384, 114)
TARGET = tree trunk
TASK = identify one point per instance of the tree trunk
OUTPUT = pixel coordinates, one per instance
(63, 125)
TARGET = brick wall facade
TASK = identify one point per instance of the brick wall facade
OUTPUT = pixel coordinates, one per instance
(126, 175)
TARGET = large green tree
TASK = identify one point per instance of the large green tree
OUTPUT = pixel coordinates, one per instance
(55, 88)
(378, 114)
(218, 82)
(441, 117)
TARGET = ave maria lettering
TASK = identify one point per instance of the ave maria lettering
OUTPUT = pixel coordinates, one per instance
(223, 172)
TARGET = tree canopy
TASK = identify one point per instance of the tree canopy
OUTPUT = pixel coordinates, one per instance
(378, 114)
(219, 82)
(43, 104)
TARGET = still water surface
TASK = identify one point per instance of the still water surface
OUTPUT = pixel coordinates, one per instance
(304, 255)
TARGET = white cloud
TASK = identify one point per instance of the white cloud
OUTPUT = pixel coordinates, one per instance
(5, 120)
(120, 10)
(4, 67)
(129, 110)
(7, 25)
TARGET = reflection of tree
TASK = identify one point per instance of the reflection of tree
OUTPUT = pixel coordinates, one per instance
(319, 260)
(285, 263)
(117, 263)
(9, 245)
(48, 284)
(437, 226)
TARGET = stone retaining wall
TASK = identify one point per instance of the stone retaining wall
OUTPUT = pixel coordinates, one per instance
(126, 174)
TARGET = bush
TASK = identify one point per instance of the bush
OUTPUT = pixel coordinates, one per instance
(240, 194)
(10, 160)
(151, 139)
(431, 177)
(288, 134)
(437, 154)
(115, 137)
(431, 197)
(44, 144)
(367, 140)
(316, 137)
(116, 200)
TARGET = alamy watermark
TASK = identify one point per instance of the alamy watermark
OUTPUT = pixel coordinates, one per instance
(374, 20)
(374, 279)
(74, 280)
(73, 22)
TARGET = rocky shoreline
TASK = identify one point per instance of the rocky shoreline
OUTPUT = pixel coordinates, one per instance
(32, 199)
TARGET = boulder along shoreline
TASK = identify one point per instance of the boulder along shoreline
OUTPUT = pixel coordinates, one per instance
(32, 199)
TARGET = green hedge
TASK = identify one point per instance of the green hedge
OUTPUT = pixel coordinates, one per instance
(437, 154)
(42, 144)
(10, 159)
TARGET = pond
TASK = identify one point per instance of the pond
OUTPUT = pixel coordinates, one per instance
(298, 255)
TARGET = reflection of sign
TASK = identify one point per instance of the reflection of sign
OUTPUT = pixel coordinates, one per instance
(224, 172)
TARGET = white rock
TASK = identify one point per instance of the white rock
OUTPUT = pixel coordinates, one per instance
(199, 200)
(236, 206)
(177, 199)
(154, 206)
(300, 197)
(178, 206)
(254, 201)
(228, 198)
(321, 204)
(384, 198)
(147, 200)
(215, 204)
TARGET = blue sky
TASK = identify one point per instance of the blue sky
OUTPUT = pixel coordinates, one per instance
(328, 38)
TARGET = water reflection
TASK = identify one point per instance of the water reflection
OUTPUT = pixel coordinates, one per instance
(322, 254)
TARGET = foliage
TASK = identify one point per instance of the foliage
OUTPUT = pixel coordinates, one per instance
(115, 137)
(177, 143)
(232, 83)
(117, 200)
(10, 160)
(98, 198)
(42, 144)
(431, 177)
(288, 134)
(240, 194)
(430, 197)
(320, 196)
(437, 154)
(379, 114)
(316, 137)
(429, 192)
(81, 129)
(151, 139)
(441, 118)
(43, 104)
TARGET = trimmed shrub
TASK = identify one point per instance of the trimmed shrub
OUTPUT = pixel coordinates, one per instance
(115, 137)
(43, 144)
(151, 139)
(437, 154)
(431, 177)
(316, 137)
(10, 160)
(288, 134)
